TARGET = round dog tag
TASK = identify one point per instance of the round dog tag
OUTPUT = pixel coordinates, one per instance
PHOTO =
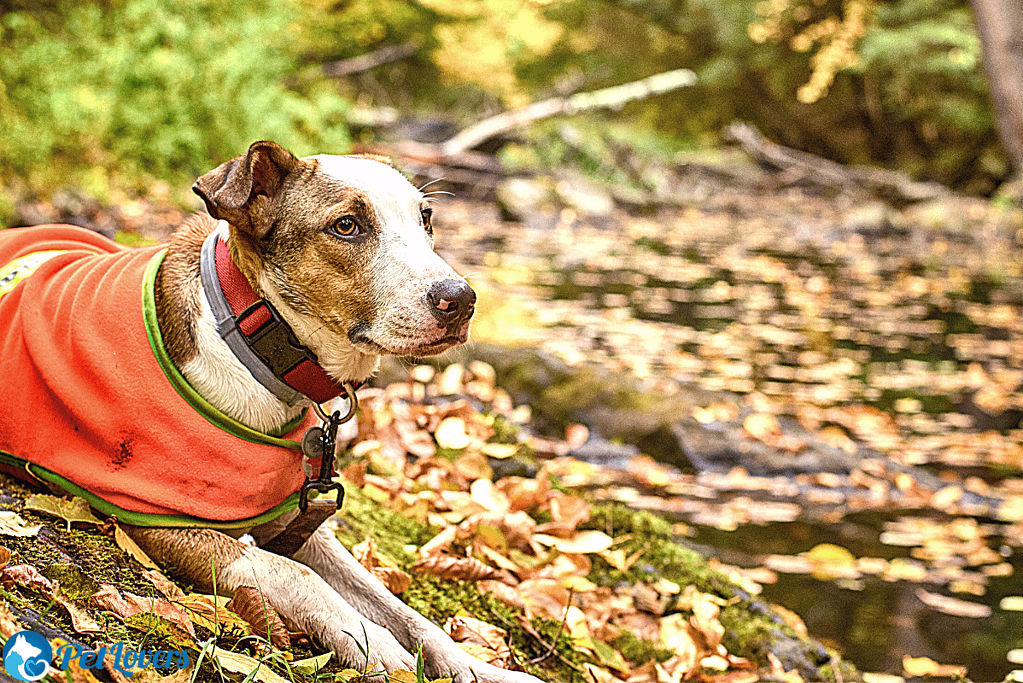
(312, 443)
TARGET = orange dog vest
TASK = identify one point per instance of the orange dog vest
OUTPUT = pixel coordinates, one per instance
(92, 403)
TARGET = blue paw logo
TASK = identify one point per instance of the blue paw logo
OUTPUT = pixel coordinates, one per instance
(27, 656)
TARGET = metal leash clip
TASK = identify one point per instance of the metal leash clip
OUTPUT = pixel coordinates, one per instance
(319, 442)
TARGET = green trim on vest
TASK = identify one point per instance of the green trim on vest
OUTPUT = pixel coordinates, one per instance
(143, 518)
(181, 385)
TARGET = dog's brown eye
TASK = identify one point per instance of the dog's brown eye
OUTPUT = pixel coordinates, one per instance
(427, 213)
(345, 226)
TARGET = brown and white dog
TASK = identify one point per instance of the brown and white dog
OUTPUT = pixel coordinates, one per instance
(342, 247)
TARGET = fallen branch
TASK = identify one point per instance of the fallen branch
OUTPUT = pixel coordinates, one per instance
(891, 186)
(612, 97)
(616, 96)
(370, 60)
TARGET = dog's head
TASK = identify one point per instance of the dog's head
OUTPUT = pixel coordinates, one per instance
(343, 246)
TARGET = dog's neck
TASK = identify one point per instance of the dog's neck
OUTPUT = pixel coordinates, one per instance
(215, 371)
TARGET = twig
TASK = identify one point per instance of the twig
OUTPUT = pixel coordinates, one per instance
(891, 186)
(353, 65)
(561, 627)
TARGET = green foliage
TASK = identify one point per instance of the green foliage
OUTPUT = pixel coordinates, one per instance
(142, 89)
(151, 88)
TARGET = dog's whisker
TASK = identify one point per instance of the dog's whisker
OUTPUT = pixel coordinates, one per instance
(435, 180)
(437, 192)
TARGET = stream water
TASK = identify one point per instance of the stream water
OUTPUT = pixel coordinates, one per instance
(923, 324)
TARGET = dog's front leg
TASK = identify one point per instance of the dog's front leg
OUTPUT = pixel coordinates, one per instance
(298, 594)
(443, 657)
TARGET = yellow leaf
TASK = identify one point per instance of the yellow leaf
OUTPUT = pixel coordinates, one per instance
(236, 662)
(70, 510)
(582, 542)
(499, 451)
(1012, 603)
(451, 434)
(403, 676)
(925, 666)
(830, 561)
(129, 546)
(579, 584)
(375, 493)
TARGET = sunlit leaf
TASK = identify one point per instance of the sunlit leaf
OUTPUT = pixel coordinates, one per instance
(582, 542)
(238, 663)
(310, 665)
(69, 509)
(12, 524)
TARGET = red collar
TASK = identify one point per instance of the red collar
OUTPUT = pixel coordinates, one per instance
(269, 347)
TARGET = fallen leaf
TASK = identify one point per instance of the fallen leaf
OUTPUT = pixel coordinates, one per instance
(238, 663)
(81, 621)
(125, 543)
(953, 606)
(946, 497)
(69, 509)
(499, 451)
(5, 557)
(451, 434)
(12, 524)
(394, 580)
(166, 587)
(580, 543)
(1011, 603)
(761, 426)
(124, 606)
(26, 576)
(830, 561)
(310, 665)
(453, 567)
(463, 628)
(251, 605)
(212, 615)
(924, 666)
(385, 569)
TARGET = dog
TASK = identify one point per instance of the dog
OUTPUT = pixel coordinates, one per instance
(171, 386)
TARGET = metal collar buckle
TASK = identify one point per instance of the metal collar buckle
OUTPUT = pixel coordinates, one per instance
(320, 442)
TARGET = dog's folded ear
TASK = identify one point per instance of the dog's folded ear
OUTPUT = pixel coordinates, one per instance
(232, 191)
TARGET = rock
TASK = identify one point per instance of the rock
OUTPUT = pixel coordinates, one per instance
(586, 198)
(600, 451)
(873, 218)
(524, 199)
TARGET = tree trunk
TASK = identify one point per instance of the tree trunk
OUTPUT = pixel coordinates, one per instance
(1000, 25)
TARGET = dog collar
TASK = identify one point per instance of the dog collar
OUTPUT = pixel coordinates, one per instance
(257, 334)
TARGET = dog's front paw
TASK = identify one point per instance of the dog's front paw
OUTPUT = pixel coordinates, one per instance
(451, 660)
(368, 648)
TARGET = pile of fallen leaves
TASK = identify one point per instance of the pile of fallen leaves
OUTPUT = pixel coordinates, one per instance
(520, 540)
(491, 533)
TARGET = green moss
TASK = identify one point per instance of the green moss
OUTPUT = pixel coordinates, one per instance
(439, 600)
(640, 651)
(752, 629)
(661, 556)
(505, 431)
(392, 532)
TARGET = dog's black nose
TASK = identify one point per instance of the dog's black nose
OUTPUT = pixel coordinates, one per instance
(451, 301)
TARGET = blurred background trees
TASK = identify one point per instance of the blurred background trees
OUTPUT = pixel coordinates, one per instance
(135, 90)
